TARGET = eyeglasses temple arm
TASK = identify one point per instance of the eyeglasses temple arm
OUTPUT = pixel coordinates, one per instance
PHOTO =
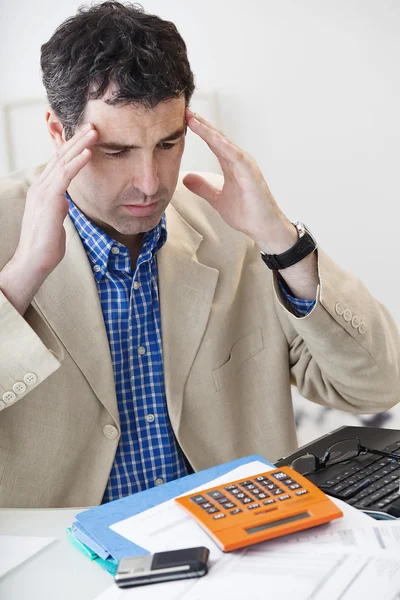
(382, 453)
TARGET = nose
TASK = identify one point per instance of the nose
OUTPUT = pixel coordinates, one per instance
(145, 176)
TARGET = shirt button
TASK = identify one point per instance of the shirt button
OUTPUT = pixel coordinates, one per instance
(141, 350)
(9, 397)
(150, 418)
(30, 378)
(159, 481)
(110, 432)
(19, 387)
(115, 250)
(347, 315)
(136, 285)
(97, 268)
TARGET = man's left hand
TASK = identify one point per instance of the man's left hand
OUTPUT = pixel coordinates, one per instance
(245, 201)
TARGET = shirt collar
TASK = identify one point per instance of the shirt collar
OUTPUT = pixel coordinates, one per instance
(98, 244)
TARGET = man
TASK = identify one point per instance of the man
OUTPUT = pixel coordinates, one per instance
(142, 335)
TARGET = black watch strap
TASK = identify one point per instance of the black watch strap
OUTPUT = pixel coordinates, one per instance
(302, 248)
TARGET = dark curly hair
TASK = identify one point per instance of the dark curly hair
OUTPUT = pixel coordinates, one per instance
(113, 45)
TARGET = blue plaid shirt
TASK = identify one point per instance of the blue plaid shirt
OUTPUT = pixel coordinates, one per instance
(148, 453)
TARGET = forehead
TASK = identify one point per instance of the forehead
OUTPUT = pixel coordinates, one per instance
(128, 123)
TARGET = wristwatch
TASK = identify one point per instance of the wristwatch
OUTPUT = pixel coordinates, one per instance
(302, 248)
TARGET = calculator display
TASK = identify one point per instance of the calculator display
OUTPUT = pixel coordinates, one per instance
(276, 523)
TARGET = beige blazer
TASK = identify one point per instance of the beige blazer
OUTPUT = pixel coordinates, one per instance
(230, 348)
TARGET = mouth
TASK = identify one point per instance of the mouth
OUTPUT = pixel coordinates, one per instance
(141, 210)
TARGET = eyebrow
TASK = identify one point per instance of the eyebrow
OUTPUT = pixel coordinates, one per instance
(117, 146)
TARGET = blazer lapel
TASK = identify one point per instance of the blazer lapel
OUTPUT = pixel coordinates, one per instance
(186, 289)
(74, 312)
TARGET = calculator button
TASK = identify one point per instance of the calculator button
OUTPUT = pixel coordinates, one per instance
(256, 491)
(301, 492)
(246, 500)
(277, 491)
(249, 487)
(244, 483)
(199, 499)
(251, 506)
(235, 491)
(280, 475)
(269, 501)
(223, 500)
(287, 481)
(229, 505)
(294, 486)
(260, 478)
(220, 516)
(215, 495)
(285, 497)
(241, 495)
(206, 505)
(261, 496)
(236, 511)
(230, 488)
(271, 486)
(212, 510)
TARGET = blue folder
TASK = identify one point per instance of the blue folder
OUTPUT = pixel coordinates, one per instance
(92, 527)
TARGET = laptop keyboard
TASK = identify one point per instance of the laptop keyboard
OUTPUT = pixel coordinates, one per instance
(372, 484)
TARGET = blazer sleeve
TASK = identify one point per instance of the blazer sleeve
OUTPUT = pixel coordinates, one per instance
(26, 357)
(346, 352)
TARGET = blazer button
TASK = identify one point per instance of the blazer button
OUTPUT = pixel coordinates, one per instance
(30, 378)
(9, 397)
(355, 321)
(347, 315)
(110, 432)
(19, 387)
(363, 328)
(339, 308)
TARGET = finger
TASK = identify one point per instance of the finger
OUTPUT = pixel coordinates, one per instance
(220, 145)
(81, 133)
(84, 142)
(65, 174)
(190, 114)
(201, 187)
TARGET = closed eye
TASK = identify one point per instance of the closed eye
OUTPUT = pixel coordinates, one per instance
(162, 146)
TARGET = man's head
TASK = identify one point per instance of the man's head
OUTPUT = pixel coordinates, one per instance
(128, 74)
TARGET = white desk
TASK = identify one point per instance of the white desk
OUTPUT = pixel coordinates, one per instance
(59, 570)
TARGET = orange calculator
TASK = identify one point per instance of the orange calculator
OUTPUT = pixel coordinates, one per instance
(259, 508)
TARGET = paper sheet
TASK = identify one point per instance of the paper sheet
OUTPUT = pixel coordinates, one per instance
(352, 557)
(15, 549)
(168, 527)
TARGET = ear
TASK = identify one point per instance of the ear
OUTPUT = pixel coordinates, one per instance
(55, 128)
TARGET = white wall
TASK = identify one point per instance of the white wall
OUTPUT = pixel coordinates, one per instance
(310, 88)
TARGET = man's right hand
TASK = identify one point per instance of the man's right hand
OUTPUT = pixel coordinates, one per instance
(42, 242)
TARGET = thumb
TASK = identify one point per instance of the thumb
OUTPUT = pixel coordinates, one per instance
(201, 187)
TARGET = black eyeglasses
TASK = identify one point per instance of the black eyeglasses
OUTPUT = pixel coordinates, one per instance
(337, 453)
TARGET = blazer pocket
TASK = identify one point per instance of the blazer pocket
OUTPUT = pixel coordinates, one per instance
(245, 348)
